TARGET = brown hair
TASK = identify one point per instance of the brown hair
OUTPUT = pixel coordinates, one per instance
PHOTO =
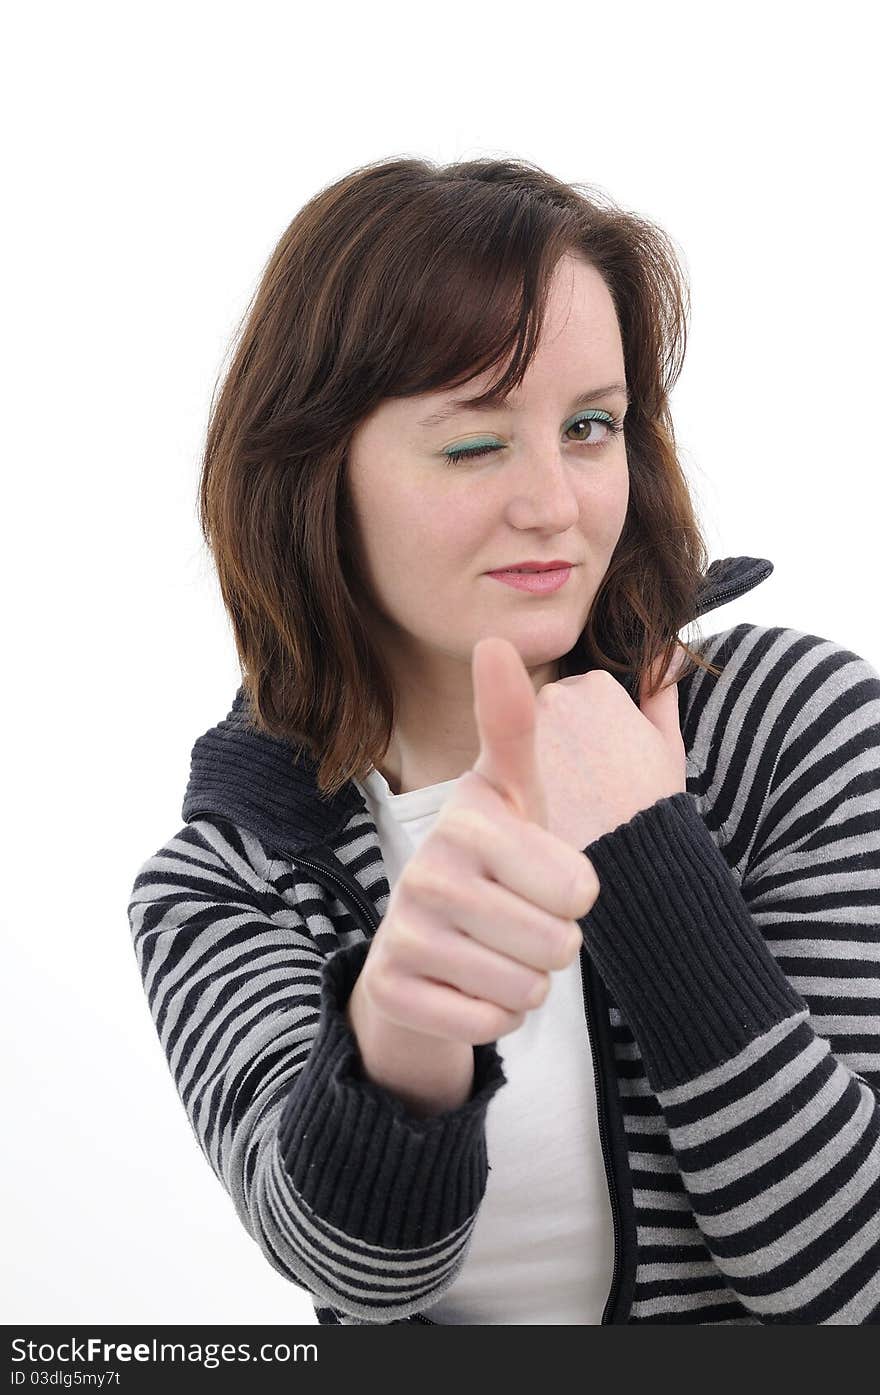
(401, 278)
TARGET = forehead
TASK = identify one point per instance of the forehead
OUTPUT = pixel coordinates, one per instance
(579, 351)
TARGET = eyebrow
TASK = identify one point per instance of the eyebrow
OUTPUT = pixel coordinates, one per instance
(466, 404)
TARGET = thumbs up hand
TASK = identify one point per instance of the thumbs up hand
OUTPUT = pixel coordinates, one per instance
(489, 904)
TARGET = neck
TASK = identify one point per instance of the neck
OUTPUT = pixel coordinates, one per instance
(435, 735)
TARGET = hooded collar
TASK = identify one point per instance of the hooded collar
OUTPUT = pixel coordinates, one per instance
(262, 784)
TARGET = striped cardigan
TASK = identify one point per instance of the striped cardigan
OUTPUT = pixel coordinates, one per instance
(731, 971)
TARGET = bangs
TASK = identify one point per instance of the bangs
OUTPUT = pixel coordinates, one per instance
(482, 287)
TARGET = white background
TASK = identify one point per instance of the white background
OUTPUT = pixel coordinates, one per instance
(154, 155)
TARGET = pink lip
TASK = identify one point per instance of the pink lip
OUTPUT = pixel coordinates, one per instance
(539, 583)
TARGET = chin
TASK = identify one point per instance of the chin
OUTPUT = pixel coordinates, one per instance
(546, 644)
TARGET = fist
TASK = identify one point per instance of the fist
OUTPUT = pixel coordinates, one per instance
(580, 751)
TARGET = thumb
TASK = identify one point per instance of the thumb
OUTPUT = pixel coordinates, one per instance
(504, 706)
(661, 710)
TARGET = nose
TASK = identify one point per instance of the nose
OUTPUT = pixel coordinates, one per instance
(542, 495)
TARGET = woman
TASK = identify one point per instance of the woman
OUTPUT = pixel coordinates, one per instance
(497, 990)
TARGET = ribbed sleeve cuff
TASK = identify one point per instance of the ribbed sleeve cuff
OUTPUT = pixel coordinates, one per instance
(358, 1157)
(674, 940)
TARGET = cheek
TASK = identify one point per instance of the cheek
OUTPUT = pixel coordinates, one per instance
(441, 527)
(418, 541)
(604, 503)
(388, 516)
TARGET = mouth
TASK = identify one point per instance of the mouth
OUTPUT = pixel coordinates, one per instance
(556, 565)
(536, 580)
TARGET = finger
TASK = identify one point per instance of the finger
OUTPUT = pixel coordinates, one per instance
(504, 706)
(662, 710)
(530, 862)
(677, 664)
(428, 950)
(435, 1009)
(496, 917)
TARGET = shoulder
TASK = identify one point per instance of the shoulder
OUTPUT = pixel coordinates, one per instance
(792, 715)
(210, 858)
(777, 665)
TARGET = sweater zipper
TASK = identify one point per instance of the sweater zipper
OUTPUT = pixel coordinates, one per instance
(346, 888)
(351, 894)
(603, 1139)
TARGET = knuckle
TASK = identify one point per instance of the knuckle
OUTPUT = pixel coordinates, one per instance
(552, 939)
(471, 785)
(422, 882)
(462, 826)
(384, 990)
(548, 693)
(501, 1021)
(593, 885)
(561, 697)
(583, 886)
(564, 946)
(414, 934)
(574, 889)
(537, 989)
(401, 944)
(468, 834)
(574, 944)
(602, 676)
(408, 944)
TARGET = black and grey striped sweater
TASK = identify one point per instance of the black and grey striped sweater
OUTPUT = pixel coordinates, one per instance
(731, 991)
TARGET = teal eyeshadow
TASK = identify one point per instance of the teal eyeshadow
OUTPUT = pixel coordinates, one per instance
(474, 441)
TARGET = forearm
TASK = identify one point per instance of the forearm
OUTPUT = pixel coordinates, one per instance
(775, 1138)
(347, 1193)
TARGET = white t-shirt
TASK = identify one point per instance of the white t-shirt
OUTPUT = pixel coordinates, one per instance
(542, 1246)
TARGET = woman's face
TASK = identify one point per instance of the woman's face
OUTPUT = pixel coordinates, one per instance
(555, 486)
